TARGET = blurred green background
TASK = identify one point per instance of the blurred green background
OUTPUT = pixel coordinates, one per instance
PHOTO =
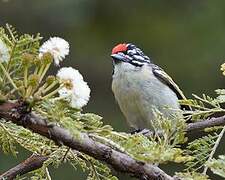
(186, 38)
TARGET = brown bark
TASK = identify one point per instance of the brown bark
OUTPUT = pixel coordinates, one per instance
(34, 162)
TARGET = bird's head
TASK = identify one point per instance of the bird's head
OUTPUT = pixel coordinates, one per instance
(129, 53)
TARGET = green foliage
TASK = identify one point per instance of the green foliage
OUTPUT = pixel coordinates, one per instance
(18, 46)
(203, 106)
(192, 176)
(7, 141)
(95, 169)
(218, 166)
(23, 72)
(161, 147)
(152, 151)
(60, 112)
(28, 140)
(200, 150)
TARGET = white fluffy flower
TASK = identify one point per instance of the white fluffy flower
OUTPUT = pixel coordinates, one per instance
(75, 89)
(57, 47)
(4, 52)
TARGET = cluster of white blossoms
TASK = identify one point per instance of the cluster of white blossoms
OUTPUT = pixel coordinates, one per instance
(57, 47)
(4, 52)
(75, 89)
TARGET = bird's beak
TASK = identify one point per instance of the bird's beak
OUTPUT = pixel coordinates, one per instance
(120, 57)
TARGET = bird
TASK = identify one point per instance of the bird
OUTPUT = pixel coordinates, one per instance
(140, 87)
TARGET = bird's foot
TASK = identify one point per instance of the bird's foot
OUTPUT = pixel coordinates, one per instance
(145, 132)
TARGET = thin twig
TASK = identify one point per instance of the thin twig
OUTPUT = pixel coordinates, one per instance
(8, 76)
(32, 163)
(66, 153)
(214, 149)
(200, 125)
(47, 174)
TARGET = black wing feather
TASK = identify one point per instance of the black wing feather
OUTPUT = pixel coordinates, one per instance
(166, 79)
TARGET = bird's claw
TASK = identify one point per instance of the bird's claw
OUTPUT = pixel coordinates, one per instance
(145, 132)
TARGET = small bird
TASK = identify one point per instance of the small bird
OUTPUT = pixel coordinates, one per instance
(140, 87)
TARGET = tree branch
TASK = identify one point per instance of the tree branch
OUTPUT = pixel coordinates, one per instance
(196, 126)
(17, 113)
(34, 162)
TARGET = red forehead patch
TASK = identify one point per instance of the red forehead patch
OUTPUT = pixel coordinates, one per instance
(119, 48)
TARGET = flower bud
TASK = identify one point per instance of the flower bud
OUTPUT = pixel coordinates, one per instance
(50, 79)
(47, 58)
(19, 83)
(27, 59)
(33, 80)
(37, 61)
